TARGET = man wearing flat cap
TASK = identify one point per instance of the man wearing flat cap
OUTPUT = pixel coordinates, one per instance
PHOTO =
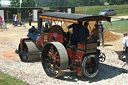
(101, 29)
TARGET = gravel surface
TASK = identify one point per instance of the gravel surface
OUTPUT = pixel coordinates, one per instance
(111, 72)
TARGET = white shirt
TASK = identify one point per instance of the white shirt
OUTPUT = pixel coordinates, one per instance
(125, 41)
(15, 19)
(104, 28)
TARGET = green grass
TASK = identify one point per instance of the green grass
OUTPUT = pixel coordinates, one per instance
(119, 29)
(120, 23)
(118, 26)
(94, 10)
(45, 8)
(9, 80)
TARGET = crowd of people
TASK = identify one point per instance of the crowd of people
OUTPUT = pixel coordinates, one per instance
(17, 22)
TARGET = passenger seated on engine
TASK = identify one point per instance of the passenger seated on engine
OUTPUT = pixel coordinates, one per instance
(75, 34)
(33, 33)
(45, 28)
(33, 30)
(84, 33)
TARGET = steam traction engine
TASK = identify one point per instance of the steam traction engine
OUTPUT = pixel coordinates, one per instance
(52, 44)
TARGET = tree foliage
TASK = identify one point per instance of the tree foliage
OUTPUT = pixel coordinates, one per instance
(25, 3)
(74, 3)
(65, 3)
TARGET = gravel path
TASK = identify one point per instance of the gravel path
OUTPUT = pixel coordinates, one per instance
(112, 71)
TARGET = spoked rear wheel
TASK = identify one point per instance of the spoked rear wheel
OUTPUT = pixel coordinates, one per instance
(90, 66)
(54, 59)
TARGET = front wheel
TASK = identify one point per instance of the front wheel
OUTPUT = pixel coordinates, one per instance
(90, 66)
(23, 58)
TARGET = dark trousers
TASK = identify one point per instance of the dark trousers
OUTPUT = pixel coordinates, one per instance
(101, 36)
(74, 39)
(30, 22)
(15, 23)
(126, 51)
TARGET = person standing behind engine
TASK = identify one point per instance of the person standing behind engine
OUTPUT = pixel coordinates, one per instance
(101, 29)
(125, 42)
(125, 45)
(30, 18)
(0, 19)
(1, 22)
(15, 20)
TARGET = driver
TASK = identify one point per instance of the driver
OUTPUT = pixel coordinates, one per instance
(84, 32)
(75, 35)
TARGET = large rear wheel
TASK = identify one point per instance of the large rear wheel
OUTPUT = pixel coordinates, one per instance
(90, 66)
(54, 59)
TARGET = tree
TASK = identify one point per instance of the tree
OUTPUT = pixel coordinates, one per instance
(25, 3)
(40, 3)
(102, 1)
(64, 3)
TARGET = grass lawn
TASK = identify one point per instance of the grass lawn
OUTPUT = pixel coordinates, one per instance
(45, 8)
(118, 26)
(94, 10)
(8, 80)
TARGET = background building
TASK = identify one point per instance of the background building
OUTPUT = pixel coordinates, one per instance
(5, 3)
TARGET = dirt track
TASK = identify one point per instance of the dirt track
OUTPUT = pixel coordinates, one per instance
(111, 72)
